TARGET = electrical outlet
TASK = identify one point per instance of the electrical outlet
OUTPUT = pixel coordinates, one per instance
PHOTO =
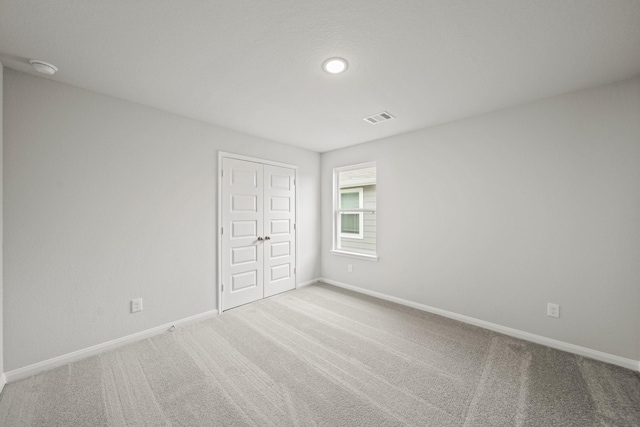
(553, 310)
(136, 305)
(350, 268)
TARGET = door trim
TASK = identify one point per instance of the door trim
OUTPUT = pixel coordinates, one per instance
(222, 155)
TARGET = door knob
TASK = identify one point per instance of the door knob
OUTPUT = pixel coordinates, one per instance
(260, 239)
(267, 238)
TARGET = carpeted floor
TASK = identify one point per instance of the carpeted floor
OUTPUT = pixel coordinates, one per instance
(325, 356)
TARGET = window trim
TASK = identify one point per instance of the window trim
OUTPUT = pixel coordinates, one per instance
(357, 255)
(336, 250)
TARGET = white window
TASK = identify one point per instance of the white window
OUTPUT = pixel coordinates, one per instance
(354, 219)
(351, 223)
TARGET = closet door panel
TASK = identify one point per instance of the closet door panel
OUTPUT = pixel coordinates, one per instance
(279, 219)
(242, 213)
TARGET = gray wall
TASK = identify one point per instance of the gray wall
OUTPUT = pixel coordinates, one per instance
(494, 216)
(106, 201)
(1, 227)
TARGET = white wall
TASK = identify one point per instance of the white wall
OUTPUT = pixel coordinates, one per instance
(494, 216)
(106, 201)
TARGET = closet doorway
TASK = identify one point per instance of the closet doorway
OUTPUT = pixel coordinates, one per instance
(257, 229)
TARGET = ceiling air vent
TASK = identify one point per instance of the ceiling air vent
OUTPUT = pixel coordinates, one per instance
(379, 117)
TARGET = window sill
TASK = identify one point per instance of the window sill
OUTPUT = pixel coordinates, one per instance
(373, 258)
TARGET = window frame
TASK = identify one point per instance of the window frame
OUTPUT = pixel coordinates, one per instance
(336, 227)
(352, 211)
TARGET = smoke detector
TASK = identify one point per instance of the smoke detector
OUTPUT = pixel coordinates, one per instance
(379, 117)
(43, 67)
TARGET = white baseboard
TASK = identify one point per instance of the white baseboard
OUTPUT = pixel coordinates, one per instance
(304, 284)
(3, 381)
(538, 339)
(27, 371)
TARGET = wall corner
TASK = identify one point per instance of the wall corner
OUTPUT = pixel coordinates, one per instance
(2, 376)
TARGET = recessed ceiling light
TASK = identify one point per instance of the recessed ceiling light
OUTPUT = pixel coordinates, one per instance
(335, 65)
(43, 67)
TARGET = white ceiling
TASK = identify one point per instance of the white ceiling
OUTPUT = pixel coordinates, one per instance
(255, 65)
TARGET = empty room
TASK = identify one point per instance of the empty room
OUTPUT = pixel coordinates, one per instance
(329, 213)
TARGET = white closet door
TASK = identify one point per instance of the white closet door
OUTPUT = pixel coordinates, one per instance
(279, 220)
(243, 223)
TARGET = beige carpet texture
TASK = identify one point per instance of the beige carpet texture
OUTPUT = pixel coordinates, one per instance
(324, 356)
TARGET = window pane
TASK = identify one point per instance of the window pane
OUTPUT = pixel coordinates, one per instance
(355, 232)
(357, 177)
(350, 223)
(350, 200)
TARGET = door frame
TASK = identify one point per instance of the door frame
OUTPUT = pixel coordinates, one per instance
(223, 155)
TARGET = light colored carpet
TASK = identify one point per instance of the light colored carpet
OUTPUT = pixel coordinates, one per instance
(329, 357)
